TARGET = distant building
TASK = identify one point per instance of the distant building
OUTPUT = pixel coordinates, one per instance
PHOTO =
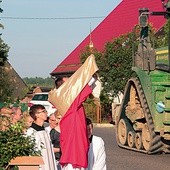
(120, 21)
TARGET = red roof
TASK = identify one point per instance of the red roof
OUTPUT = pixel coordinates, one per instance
(120, 21)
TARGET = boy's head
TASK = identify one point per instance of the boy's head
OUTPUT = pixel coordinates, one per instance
(89, 127)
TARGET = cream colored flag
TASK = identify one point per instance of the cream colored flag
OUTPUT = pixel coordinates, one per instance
(64, 96)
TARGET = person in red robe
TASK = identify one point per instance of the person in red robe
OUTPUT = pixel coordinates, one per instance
(68, 99)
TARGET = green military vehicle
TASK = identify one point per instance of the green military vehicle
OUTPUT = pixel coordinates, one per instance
(143, 122)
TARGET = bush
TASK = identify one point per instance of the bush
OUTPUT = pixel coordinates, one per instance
(14, 143)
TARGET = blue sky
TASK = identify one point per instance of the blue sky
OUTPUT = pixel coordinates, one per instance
(37, 46)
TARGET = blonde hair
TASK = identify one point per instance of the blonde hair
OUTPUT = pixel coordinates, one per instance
(26, 120)
(6, 111)
(57, 113)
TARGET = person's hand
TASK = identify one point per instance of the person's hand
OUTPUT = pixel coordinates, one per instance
(95, 76)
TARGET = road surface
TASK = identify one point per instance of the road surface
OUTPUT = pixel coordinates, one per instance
(122, 159)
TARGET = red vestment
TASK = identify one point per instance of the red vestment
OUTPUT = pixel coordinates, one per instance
(73, 138)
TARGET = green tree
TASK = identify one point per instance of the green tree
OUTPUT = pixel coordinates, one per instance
(114, 64)
(4, 49)
(161, 39)
(5, 87)
(116, 68)
(38, 81)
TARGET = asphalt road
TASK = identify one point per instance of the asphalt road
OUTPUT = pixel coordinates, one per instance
(122, 159)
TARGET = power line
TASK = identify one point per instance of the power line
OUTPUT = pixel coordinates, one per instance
(53, 18)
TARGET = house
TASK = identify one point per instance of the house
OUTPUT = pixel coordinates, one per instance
(120, 21)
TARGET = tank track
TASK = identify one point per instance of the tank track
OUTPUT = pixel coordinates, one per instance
(156, 145)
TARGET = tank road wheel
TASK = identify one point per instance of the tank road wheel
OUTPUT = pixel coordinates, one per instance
(146, 138)
(122, 131)
(131, 139)
(138, 141)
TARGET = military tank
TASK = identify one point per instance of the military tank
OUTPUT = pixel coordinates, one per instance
(143, 122)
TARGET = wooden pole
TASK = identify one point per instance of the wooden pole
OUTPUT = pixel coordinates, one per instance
(98, 112)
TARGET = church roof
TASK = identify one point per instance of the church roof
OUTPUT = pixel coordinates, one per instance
(120, 21)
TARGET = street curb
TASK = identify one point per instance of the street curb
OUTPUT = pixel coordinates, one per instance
(103, 125)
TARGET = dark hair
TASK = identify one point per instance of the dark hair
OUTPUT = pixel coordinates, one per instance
(88, 121)
(33, 110)
(58, 82)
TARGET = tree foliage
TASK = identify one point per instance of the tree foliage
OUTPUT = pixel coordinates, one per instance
(14, 143)
(38, 81)
(6, 90)
(162, 37)
(5, 85)
(4, 49)
(114, 64)
(116, 68)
